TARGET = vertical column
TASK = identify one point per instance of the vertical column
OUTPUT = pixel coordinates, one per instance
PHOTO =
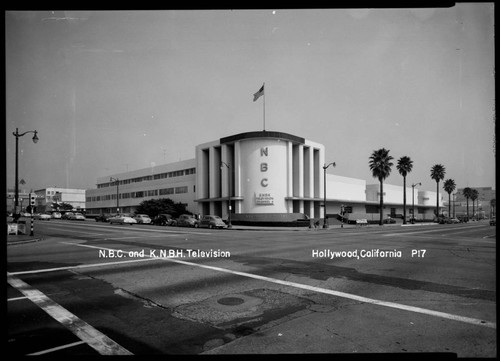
(225, 171)
(309, 164)
(316, 185)
(301, 177)
(214, 175)
(215, 172)
(320, 176)
(306, 172)
(237, 176)
(201, 174)
(289, 167)
(309, 180)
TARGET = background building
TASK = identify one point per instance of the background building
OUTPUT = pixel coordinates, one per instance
(482, 205)
(267, 175)
(47, 196)
(23, 200)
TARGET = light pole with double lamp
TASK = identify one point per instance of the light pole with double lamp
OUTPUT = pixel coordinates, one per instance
(325, 222)
(229, 225)
(117, 194)
(413, 201)
(16, 196)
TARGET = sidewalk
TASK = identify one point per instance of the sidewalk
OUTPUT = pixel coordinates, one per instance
(330, 227)
(319, 229)
(13, 239)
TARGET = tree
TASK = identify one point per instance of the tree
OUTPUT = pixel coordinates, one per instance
(449, 186)
(65, 206)
(404, 166)
(380, 165)
(467, 192)
(474, 195)
(153, 207)
(437, 173)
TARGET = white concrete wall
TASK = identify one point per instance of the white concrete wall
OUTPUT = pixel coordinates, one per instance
(344, 188)
(428, 198)
(392, 193)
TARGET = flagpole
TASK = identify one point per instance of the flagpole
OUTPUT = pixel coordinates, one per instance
(264, 102)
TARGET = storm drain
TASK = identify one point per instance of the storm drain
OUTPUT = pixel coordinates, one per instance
(250, 309)
(231, 301)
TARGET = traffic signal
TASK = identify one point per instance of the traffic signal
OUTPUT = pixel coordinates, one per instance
(32, 199)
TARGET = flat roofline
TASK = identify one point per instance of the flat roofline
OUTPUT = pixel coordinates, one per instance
(262, 134)
(349, 201)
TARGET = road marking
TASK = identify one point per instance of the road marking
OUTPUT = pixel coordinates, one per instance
(490, 236)
(449, 230)
(56, 348)
(141, 229)
(84, 265)
(425, 311)
(94, 338)
(141, 236)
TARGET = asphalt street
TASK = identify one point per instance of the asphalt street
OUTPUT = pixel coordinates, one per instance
(85, 288)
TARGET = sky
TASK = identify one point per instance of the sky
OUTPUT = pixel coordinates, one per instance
(115, 91)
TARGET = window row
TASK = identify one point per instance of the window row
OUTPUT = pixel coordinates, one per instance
(177, 173)
(141, 194)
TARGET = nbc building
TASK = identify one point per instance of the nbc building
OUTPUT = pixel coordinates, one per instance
(261, 176)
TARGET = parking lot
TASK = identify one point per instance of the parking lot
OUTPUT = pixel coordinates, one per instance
(93, 288)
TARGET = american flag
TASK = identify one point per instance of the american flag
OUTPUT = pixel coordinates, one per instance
(259, 93)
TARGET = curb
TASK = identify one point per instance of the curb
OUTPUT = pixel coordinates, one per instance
(23, 241)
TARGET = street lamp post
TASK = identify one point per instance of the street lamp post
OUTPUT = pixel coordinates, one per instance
(325, 222)
(413, 201)
(117, 193)
(229, 225)
(16, 196)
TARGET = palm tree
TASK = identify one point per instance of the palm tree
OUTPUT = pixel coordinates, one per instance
(380, 165)
(404, 166)
(467, 192)
(437, 173)
(449, 186)
(473, 195)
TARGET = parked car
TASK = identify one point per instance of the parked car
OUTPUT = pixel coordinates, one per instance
(443, 220)
(454, 220)
(164, 219)
(56, 215)
(493, 221)
(187, 220)
(122, 219)
(76, 217)
(211, 221)
(42, 216)
(102, 218)
(389, 220)
(142, 218)
(67, 215)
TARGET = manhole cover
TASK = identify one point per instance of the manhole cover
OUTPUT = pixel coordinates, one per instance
(230, 301)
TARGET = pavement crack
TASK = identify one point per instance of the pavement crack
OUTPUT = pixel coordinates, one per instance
(146, 301)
